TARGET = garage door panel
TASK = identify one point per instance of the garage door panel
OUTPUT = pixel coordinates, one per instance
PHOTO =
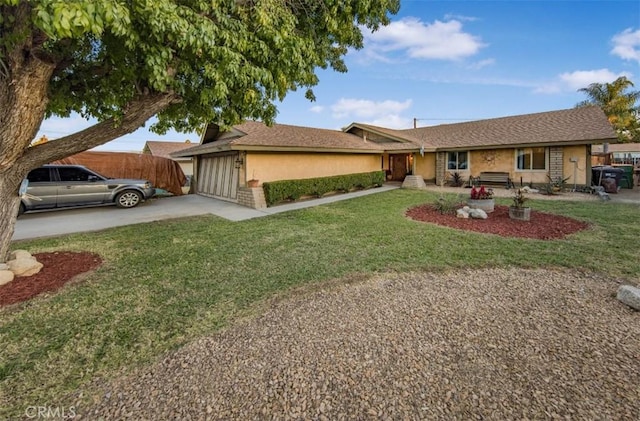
(219, 177)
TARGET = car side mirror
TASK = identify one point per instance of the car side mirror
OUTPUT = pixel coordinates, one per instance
(93, 178)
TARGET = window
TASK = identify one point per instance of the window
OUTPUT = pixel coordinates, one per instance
(531, 159)
(39, 175)
(73, 174)
(457, 160)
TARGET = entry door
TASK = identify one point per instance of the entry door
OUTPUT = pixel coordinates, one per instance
(398, 167)
(218, 177)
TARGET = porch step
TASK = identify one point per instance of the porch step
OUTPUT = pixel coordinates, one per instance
(415, 182)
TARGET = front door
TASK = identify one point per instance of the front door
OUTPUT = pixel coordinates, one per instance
(398, 166)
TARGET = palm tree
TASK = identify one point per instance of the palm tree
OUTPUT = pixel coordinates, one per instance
(619, 106)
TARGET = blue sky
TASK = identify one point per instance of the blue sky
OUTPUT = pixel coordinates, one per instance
(451, 61)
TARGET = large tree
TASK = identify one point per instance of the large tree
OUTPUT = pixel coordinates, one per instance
(619, 104)
(187, 62)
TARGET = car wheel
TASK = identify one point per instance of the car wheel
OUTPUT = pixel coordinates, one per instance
(128, 199)
(22, 209)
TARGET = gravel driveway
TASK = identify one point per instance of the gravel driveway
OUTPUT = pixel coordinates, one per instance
(488, 344)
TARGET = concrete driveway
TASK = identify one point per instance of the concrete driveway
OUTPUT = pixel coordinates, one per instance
(68, 221)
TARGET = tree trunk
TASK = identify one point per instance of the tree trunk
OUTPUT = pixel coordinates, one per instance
(9, 202)
(24, 80)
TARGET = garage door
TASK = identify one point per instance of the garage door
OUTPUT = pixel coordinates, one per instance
(218, 176)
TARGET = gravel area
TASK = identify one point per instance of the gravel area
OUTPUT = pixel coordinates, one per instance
(471, 344)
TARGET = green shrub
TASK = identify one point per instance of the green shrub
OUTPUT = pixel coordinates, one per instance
(280, 191)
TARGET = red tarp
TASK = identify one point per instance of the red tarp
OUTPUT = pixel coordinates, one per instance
(162, 172)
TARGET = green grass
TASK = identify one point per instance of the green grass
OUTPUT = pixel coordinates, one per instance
(164, 284)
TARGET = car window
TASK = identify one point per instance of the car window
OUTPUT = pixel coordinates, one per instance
(39, 175)
(73, 174)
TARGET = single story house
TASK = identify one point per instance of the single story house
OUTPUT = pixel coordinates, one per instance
(530, 148)
(164, 149)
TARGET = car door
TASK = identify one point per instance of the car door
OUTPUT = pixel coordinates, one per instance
(77, 186)
(42, 186)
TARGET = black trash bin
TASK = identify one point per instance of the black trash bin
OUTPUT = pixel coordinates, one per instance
(600, 172)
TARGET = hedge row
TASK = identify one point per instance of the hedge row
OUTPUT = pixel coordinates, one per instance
(279, 191)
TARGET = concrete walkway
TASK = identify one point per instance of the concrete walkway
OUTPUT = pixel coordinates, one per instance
(68, 221)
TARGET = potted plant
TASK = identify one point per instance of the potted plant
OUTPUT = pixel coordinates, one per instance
(254, 182)
(518, 210)
(481, 198)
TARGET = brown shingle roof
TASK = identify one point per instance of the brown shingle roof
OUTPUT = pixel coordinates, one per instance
(284, 137)
(573, 126)
(576, 126)
(164, 149)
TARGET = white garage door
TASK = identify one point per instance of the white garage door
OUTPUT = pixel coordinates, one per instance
(218, 176)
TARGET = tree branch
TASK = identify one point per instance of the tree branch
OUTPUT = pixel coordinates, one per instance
(135, 115)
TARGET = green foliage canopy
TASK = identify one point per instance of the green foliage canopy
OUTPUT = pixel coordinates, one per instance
(619, 104)
(225, 59)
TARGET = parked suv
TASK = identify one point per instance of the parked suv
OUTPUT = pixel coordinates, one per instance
(59, 186)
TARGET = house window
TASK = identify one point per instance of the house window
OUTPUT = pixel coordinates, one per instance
(531, 159)
(458, 160)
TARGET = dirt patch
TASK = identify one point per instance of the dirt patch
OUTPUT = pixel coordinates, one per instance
(59, 268)
(542, 226)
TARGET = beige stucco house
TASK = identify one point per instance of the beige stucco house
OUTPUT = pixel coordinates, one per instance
(528, 147)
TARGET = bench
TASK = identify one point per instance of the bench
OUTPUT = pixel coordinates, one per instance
(491, 177)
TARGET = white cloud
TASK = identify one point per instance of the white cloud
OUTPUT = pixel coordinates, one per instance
(438, 40)
(366, 108)
(317, 109)
(381, 113)
(482, 63)
(626, 45)
(572, 81)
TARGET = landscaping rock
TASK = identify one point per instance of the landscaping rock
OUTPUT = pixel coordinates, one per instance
(630, 296)
(477, 214)
(25, 266)
(6, 276)
(461, 213)
(4, 266)
(20, 254)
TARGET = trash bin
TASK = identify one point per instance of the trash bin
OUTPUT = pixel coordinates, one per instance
(600, 172)
(627, 178)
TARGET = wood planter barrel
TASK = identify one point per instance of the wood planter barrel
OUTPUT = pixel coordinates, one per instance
(520, 214)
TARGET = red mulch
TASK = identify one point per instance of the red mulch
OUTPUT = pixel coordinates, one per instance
(59, 268)
(542, 226)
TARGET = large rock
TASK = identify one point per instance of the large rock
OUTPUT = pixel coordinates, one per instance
(630, 296)
(20, 254)
(6, 276)
(25, 266)
(461, 213)
(477, 214)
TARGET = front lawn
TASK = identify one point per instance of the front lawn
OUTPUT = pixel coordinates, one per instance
(164, 284)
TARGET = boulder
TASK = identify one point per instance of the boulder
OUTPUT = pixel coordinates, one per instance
(6, 276)
(24, 267)
(20, 254)
(630, 296)
(477, 214)
(461, 213)
(4, 266)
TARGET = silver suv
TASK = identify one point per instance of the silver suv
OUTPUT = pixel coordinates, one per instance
(60, 186)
